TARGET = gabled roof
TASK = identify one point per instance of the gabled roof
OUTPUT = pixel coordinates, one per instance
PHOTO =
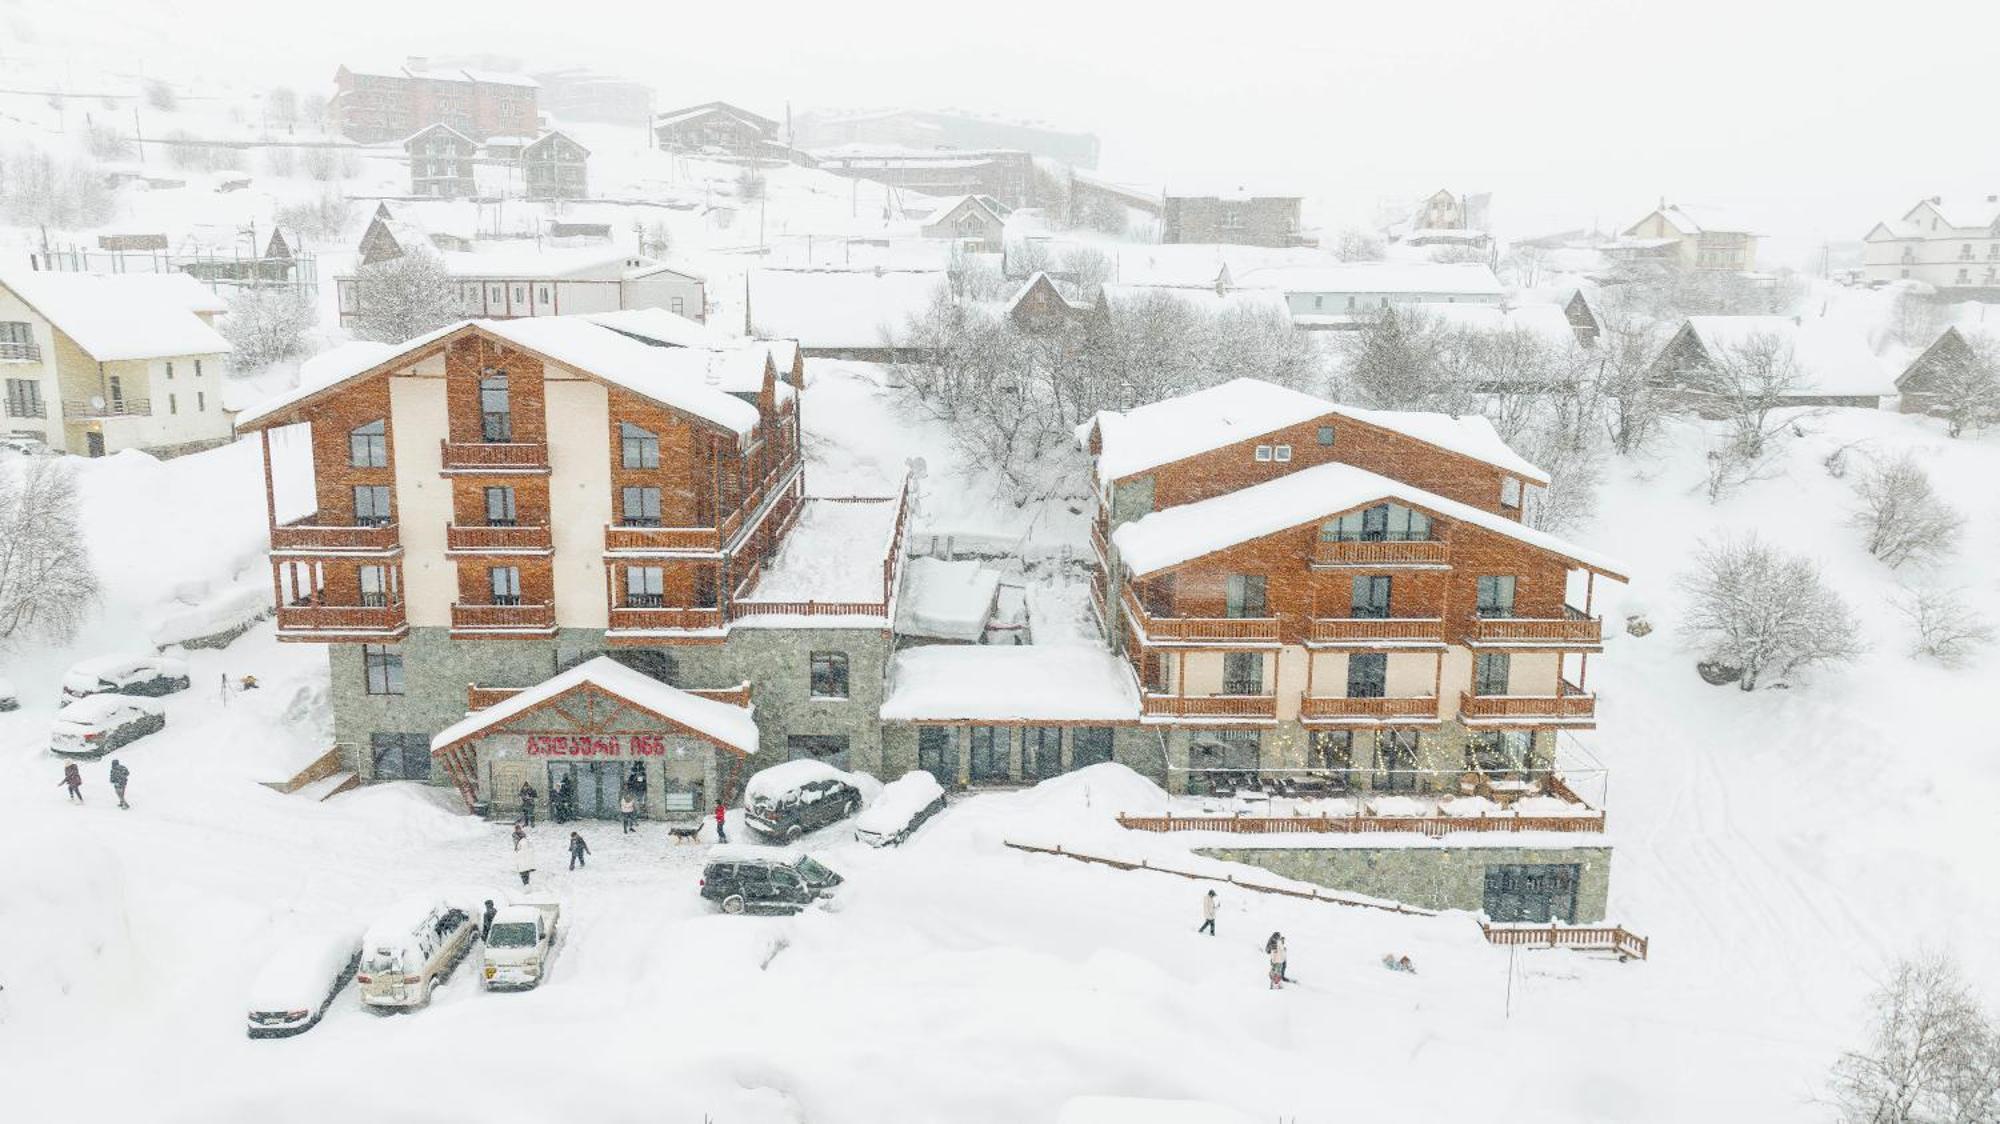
(1833, 358)
(1955, 338)
(1165, 539)
(549, 136)
(119, 317)
(1041, 280)
(690, 112)
(1694, 219)
(1962, 213)
(946, 208)
(732, 727)
(434, 128)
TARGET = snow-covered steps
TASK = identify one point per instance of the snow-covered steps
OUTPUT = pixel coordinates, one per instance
(328, 787)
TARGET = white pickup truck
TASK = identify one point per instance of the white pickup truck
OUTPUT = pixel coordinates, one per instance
(520, 944)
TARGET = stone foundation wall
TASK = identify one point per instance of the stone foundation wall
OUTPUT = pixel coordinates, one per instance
(1428, 876)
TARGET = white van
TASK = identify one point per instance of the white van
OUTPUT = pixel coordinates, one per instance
(520, 944)
(412, 949)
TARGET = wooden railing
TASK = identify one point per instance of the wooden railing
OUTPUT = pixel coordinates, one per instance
(503, 618)
(1571, 628)
(1428, 553)
(474, 456)
(627, 618)
(1338, 630)
(498, 540)
(1318, 706)
(342, 618)
(1432, 826)
(1212, 706)
(1195, 629)
(807, 609)
(662, 538)
(1570, 703)
(326, 537)
(1100, 543)
(1615, 938)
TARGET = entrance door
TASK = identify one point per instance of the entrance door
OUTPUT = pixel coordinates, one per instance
(830, 748)
(1532, 892)
(937, 755)
(597, 785)
(93, 444)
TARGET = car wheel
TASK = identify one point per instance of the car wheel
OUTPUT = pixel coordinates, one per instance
(733, 904)
(793, 832)
(853, 806)
(430, 985)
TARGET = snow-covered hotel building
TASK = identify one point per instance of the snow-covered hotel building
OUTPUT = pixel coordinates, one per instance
(1952, 245)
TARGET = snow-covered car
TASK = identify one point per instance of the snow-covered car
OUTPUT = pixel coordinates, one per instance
(95, 726)
(9, 699)
(299, 982)
(752, 879)
(520, 944)
(903, 806)
(412, 949)
(786, 801)
(26, 446)
(125, 675)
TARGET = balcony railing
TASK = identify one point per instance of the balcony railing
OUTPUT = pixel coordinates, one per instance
(1101, 543)
(1201, 629)
(1427, 553)
(522, 619)
(1367, 709)
(25, 408)
(331, 539)
(1377, 630)
(646, 539)
(1212, 706)
(493, 456)
(497, 540)
(668, 618)
(1573, 627)
(371, 620)
(115, 408)
(11, 352)
(1570, 704)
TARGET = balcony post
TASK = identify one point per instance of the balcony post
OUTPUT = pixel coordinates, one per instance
(271, 518)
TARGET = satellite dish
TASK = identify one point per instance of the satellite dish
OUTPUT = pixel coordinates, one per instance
(918, 469)
(96, 402)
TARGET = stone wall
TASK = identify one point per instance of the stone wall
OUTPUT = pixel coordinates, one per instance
(1429, 876)
(1136, 747)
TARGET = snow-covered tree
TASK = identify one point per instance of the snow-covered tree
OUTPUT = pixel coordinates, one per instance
(1086, 269)
(404, 297)
(1932, 1056)
(1965, 388)
(1903, 516)
(1764, 612)
(1948, 629)
(319, 217)
(265, 325)
(1404, 360)
(1356, 243)
(46, 581)
(39, 189)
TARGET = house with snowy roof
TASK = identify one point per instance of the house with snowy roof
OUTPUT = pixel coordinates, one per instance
(94, 364)
(1830, 363)
(1231, 211)
(579, 547)
(1351, 295)
(859, 314)
(1922, 385)
(555, 166)
(441, 162)
(1953, 245)
(1040, 305)
(977, 222)
(717, 128)
(1692, 237)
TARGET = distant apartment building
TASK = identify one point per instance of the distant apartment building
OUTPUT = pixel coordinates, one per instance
(717, 128)
(1005, 174)
(390, 103)
(927, 129)
(1951, 245)
(441, 161)
(1238, 216)
(1694, 238)
(581, 94)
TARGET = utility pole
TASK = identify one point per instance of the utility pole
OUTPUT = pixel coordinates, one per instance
(138, 140)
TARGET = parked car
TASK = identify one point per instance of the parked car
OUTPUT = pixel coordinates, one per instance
(786, 801)
(9, 699)
(902, 807)
(97, 725)
(125, 675)
(26, 446)
(520, 944)
(300, 980)
(412, 949)
(752, 879)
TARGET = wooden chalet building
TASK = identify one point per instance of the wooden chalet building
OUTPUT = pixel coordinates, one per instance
(498, 503)
(441, 160)
(553, 166)
(717, 128)
(1917, 386)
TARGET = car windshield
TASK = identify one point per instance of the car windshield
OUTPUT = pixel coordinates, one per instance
(812, 871)
(512, 934)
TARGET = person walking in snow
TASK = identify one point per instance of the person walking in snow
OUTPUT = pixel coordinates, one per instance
(1208, 905)
(1276, 948)
(520, 834)
(119, 776)
(564, 807)
(73, 777)
(577, 850)
(721, 834)
(628, 809)
(524, 863)
(486, 919)
(528, 795)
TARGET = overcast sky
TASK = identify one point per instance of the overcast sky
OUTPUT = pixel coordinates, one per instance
(1812, 118)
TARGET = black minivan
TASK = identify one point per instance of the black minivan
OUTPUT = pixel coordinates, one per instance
(763, 880)
(787, 800)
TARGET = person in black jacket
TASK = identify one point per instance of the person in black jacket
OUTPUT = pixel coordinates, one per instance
(528, 795)
(486, 919)
(564, 809)
(119, 775)
(577, 850)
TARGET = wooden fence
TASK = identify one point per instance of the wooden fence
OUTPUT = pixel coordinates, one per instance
(1614, 938)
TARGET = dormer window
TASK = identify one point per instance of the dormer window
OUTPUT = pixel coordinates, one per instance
(1281, 453)
(1510, 492)
(1263, 453)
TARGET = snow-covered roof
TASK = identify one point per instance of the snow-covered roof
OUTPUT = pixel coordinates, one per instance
(192, 294)
(1146, 437)
(1963, 212)
(1469, 435)
(946, 600)
(657, 325)
(732, 726)
(1165, 539)
(1832, 356)
(551, 135)
(689, 113)
(1691, 218)
(1546, 322)
(435, 127)
(991, 683)
(772, 783)
(1205, 301)
(112, 319)
(1450, 278)
(833, 553)
(1230, 187)
(827, 308)
(945, 207)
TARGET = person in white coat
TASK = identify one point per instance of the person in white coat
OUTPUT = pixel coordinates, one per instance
(1208, 907)
(524, 863)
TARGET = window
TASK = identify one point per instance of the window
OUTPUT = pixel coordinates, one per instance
(1263, 452)
(117, 395)
(24, 396)
(544, 294)
(936, 755)
(1490, 673)
(1281, 453)
(1326, 436)
(170, 369)
(1530, 892)
(376, 584)
(384, 669)
(505, 582)
(641, 448)
(1510, 492)
(645, 586)
(371, 505)
(1367, 675)
(201, 401)
(496, 410)
(1242, 673)
(1245, 596)
(500, 506)
(989, 753)
(1385, 522)
(399, 756)
(1396, 760)
(1496, 596)
(1331, 749)
(368, 445)
(1501, 751)
(829, 675)
(1041, 752)
(1089, 745)
(173, 404)
(640, 507)
(1371, 596)
(17, 333)
(1237, 750)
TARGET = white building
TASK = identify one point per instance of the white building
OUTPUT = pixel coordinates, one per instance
(1691, 237)
(1949, 244)
(1352, 294)
(509, 284)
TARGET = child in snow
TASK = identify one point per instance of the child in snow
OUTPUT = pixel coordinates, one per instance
(577, 849)
(721, 836)
(73, 777)
(1398, 963)
(627, 810)
(1208, 914)
(1276, 947)
(520, 833)
(524, 863)
(119, 775)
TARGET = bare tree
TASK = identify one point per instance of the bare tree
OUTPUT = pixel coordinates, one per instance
(974, 276)
(404, 297)
(281, 104)
(46, 581)
(161, 96)
(319, 217)
(1087, 269)
(1930, 1057)
(1633, 405)
(1026, 258)
(1903, 516)
(327, 164)
(1948, 629)
(1965, 388)
(37, 188)
(265, 325)
(1916, 320)
(106, 143)
(1745, 382)
(1764, 612)
(1404, 360)
(1355, 243)
(1103, 214)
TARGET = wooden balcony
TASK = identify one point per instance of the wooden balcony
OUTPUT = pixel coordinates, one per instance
(319, 623)
(510, 458)
(1316, 708)
(1201, 630)
(498, 540)
(1211, 706)
(638, 622)
(1340, 555)
(302, 537)
(1570, 706)
(1572, 629)
(479, 698)
(503, 620)
(662, 540)
(1369, 632)
(1102, 544)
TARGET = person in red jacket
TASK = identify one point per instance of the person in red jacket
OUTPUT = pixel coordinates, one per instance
(73, 777)
(721, 833)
